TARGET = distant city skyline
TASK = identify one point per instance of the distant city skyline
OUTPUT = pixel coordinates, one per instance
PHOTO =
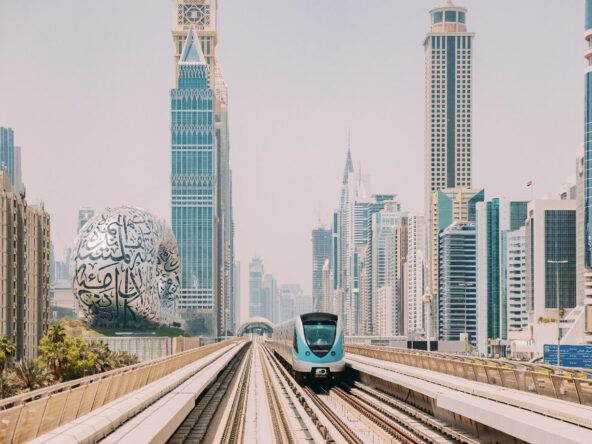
(288, 150)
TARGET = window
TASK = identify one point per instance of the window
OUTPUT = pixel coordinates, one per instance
(438, 17)
(461, 17)
(319, 334)
(450, 16)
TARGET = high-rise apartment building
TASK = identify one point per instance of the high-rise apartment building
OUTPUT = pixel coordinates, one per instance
(322, 240)
(327, 302)
(84, 215)
(389, 245)
(290, 299)
(256, 299)
(415, 273)
(458, 293)
(24, 271)
(193, 185)
(495, 218)
(449, 205)
(10, 159)
(515, 280)
(270, 298)
(352, 234)
(200, 16)
(550, 254)
(448, 49)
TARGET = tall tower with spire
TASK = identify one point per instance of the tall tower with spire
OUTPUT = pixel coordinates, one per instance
(201, 17)
(193, 185)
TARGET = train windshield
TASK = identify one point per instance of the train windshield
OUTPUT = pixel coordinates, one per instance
(319, 335)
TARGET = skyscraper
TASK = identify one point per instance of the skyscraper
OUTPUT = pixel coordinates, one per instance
(389, 233)
(448, 49)
(550, 253)
(448, 57)
(352, 233)
(495, 219)
(201, 16)
(193, 185)
(256, 298)
(415, 273)
(449, 206)
(515, 280)
(270, 298)
(457, 291)
(322, 239)
(24, 271)
(10, 159)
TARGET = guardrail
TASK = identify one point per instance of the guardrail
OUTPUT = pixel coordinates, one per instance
(575, 386)
(29, 415)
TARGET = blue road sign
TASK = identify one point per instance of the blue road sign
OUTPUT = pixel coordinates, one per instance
(570, 355)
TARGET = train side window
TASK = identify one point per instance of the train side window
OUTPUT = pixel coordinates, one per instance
(295, 342)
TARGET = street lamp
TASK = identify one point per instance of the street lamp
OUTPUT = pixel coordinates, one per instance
(557, 263)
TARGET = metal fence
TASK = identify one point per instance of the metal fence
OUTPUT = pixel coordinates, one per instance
(149, 347)
(568, 384)
(29, 415)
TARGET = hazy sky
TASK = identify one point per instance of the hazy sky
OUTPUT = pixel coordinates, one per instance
(85, 85)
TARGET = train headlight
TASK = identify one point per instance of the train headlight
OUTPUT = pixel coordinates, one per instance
(307, 353)
(332, 353)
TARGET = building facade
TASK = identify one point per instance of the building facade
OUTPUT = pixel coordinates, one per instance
(449, 206)
(458, 293)
(217, 310)
(550, 254)
(448, 50)
(389, 251)
(322, 240)
(515, 280)
(193, 186)
(269, 296)
(415, 274)
(25, 271)
(10, 159)
(256, 297)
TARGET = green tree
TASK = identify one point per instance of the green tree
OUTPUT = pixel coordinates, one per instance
(68, 359)
(7, 350)
(32, 375)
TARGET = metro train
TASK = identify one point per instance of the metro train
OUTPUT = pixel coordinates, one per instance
(312, 346)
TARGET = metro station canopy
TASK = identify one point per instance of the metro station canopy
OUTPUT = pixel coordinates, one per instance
(255, 325)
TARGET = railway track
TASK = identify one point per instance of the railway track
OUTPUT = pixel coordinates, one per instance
(195, 426)
(392, 420)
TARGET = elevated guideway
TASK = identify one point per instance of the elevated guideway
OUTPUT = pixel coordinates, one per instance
(486, 407)
(238, 391)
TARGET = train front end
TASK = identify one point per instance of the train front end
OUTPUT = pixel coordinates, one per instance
(318, 347)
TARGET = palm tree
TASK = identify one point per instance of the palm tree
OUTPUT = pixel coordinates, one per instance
(56, 333)
(7, 349)
(31, 375)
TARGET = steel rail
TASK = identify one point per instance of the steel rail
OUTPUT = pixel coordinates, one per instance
(392, 428)
(413, 412)
(235, 426)
(281, 427)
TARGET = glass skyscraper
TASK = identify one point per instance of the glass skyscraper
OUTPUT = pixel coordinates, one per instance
(458, 293)
(322, 239)
(10, 159)
(192, 180)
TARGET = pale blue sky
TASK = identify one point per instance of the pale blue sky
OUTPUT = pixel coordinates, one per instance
(85, 86)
